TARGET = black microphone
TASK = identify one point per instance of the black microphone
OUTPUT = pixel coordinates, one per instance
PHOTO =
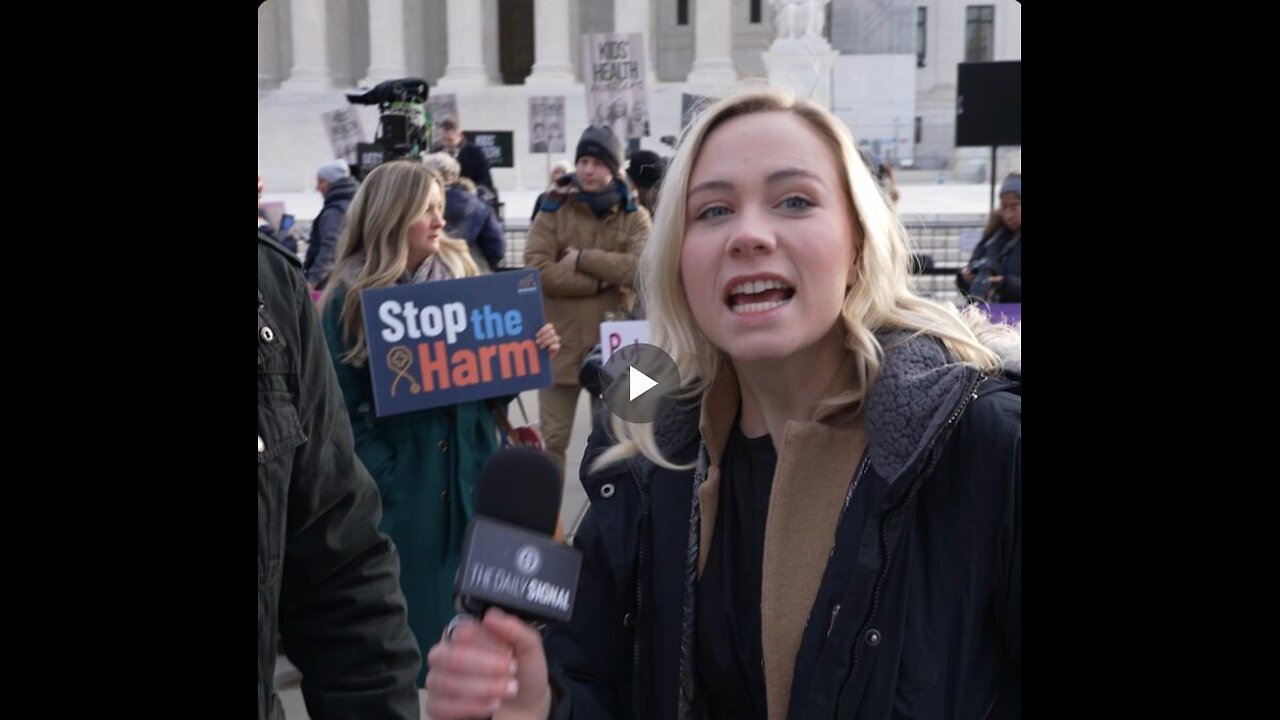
(508, 558)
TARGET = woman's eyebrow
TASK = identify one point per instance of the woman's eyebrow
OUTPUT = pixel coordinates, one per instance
(711, 185)
(790, 173)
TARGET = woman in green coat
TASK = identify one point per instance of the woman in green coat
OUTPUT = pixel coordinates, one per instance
(426, 463)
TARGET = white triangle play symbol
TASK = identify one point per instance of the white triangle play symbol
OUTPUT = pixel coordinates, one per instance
(640, 383)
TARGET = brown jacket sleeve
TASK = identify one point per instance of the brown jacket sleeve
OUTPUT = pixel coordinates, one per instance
(619, 268)
(541, 252)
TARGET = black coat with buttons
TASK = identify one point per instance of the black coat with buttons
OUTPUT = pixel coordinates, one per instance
(919, 617)
(328, 581)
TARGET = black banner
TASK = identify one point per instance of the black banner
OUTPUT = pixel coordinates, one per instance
(498, 146)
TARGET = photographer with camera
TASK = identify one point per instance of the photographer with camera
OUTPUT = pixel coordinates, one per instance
(994, 273)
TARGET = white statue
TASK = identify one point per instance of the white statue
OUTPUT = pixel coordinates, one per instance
(799, 18)
(785, 17)
(817, 10)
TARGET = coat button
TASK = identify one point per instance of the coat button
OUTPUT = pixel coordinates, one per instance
(262, 446)
(873, 637)
(629, 620)
(442, 446)
(606, 490)
(268, 335)
(444, 495)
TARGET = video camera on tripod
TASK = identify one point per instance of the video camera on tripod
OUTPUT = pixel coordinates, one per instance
(402, 131)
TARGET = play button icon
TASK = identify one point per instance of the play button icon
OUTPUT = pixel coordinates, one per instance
(637, 379)
(640, 383)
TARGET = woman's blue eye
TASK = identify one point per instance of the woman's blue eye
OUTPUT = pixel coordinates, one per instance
(713, 212)
(796, 202)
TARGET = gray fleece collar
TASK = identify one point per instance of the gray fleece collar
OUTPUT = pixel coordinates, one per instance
(917, 388)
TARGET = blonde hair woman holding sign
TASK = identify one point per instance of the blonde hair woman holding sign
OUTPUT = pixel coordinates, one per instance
(426, 463)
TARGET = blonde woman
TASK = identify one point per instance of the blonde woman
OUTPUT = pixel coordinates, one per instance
(828, 525)
(425, 463)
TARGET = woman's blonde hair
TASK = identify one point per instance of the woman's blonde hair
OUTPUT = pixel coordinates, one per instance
(880, 298)
(374, 250)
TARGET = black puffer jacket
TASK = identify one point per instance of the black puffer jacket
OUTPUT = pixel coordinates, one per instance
(919, 617)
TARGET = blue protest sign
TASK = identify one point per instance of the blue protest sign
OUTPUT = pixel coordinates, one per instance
(442, 343)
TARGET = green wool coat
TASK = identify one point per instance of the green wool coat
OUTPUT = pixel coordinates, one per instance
(426, 465)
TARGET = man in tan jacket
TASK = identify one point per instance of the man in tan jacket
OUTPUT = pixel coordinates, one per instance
(585, 242)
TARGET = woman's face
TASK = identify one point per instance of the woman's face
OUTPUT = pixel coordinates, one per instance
(1011, 210)
(424, 233)
(769, 243)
